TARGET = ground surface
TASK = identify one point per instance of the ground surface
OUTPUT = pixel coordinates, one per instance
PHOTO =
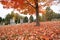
(28, 31)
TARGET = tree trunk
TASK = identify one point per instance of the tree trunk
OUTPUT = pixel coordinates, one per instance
(37, 13)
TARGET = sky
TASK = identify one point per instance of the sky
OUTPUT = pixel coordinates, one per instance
(56, 8)
(4, 12)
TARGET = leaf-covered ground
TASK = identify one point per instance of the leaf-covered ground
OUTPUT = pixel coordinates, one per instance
(28, 31)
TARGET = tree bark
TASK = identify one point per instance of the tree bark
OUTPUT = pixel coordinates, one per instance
(37, 13)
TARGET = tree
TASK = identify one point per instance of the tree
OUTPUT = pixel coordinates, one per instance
(0, 20)
(25, 19)
(3, 21)
(12, 14)
(31, 19)
(41, 18)
(49, 14)
(58, 16)
(17, 18)
(28, 6)
(7, 19)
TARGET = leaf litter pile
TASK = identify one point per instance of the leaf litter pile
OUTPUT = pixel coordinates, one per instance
(28, 31)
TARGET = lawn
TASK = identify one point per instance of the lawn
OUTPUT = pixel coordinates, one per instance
(28, 31)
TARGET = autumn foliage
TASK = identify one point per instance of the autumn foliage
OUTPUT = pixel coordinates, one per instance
(27, 6)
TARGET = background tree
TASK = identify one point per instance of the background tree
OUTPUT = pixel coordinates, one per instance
(7, 19)
(3, 21)
(31, 19)
(57, 16)
(17, 18)
(25, 19)
(41, 18)
(21, 19)
(49, 14)
(0, 20)
(29, 6)
(12, 14)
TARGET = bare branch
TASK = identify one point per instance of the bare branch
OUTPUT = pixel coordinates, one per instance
(27, 2)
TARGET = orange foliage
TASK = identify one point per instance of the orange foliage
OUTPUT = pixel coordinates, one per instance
(42, 11)
(23, 4)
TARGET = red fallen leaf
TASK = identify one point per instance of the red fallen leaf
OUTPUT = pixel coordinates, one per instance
(45, 31)
(45, 37)
(20, 32)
